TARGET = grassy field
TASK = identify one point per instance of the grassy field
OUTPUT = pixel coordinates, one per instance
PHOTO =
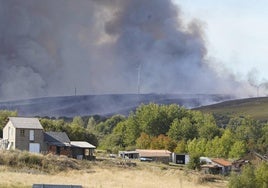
(99, 177)
(22, 169)
(253, 107)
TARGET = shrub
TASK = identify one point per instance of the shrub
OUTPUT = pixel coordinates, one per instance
(46, 163)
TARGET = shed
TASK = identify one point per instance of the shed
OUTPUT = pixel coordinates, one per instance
(211, 169)
(82, 150)
(58, 143)
(180, 158)
(155, 155)
(129, 154)
(226, 166)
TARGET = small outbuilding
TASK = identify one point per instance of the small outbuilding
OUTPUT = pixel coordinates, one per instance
(58, 143)
(224, 165)
(163, 156)
(129, 154)
(180, 158)
(82, 150)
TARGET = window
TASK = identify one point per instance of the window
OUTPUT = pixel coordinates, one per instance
(22, 132)
(31, 135)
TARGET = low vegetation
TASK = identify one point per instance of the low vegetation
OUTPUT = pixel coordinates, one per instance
(38, 163)
(251, 177)
(27, 169)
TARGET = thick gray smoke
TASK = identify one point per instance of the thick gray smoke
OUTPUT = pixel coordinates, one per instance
(51, 47)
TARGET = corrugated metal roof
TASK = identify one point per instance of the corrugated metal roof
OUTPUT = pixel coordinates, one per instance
(25, 123)
(153, 153)
(81, 144)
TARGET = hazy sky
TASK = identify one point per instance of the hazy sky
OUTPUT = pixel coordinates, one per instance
(62, 47)
(236, 32)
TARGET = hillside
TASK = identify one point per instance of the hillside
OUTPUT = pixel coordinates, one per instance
(256, 108)
(70, 106)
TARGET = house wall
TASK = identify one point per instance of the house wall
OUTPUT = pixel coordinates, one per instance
(57, 150)
(165, 160)
(20, 138)
(87, 153)
(77, 151)
(9, 133)
(23, 139)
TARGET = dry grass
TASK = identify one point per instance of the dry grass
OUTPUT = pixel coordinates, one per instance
(101, 177)
(20, 169)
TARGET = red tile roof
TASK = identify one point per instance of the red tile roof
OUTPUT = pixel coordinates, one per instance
(222, 162)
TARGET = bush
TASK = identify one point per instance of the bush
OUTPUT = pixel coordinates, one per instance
(194, 162)
(46, 163)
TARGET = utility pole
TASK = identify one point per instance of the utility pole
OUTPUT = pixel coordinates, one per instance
(139, 78)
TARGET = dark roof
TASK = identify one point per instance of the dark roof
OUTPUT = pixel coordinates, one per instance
(57, 138)
(25, 123)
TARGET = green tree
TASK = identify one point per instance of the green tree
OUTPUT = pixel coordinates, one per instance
(78, 121)
(245, 179)
(208, 129)
(194, 162)
(262, 142)
(120, 132)
(225, 143)
(132, 131)
(262, 175)
(181, 147)
(91, 124)
(53, 125)
(182, 129)
(246, 129)
(4, 114)
(214, 148)
(238, 149)
(105, 128)
(196, 146)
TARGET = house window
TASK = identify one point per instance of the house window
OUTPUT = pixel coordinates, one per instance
(31, 135)
(22, 132)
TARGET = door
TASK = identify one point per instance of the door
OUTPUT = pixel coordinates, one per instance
(34, 147)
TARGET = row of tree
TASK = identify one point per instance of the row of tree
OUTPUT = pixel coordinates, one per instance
(175, 128)
(171, 127)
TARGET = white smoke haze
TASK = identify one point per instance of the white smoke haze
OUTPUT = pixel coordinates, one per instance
(48, 48)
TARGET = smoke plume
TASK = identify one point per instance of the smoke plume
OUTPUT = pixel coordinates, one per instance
(51, 47)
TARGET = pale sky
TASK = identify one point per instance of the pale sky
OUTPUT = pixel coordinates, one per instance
(236, 32)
